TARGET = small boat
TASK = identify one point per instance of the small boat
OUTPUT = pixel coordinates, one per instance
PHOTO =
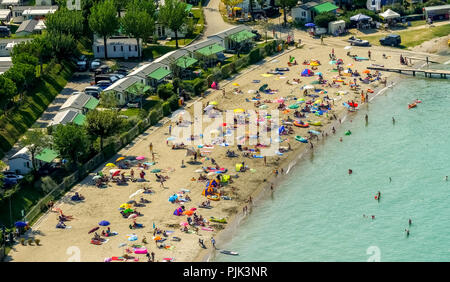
(417, 101)
(348, 132)
(314, 132)
(412, 105)
(229, 253)
(301, 139)
(298, 124)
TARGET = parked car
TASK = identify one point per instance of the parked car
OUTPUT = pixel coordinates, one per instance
(102, 69)
(4, 31)
(95, 64)
(110, 77)
(271, 11)
(10, 178)
(82, 63)
(103, 84)
(391, 40)
(122, 71)
(358, 42)
(94, 91)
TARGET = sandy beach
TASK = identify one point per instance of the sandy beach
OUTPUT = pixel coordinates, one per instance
(73, 244)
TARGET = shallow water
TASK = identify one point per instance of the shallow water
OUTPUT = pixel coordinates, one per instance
(317, 212)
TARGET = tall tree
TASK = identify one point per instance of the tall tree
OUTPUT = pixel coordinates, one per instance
(138, 23)
(120, 5)
(103, 20)
(35, 141)
(286, 4)
(61, 46)
(173, 15)
(70, 141)
(65, 21)
(7, 91)
(102, 124)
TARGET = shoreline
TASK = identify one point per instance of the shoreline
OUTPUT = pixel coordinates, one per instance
(161, 210)
(261, 194)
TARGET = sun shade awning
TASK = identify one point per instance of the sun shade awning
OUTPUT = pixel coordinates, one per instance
(47, 155)
(211, 49)
(325, 7)
(92, 103)
(79, 119)
(159, 73)
(185, 62)
(242, 36)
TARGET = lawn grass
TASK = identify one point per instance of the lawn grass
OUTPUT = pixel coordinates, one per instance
(149, 104)
(156, 50)
(412, 38)
(33, 105)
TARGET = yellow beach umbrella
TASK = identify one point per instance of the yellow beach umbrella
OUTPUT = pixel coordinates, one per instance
(236, 84)
(318, 101)
(239, 110)
(120, 159)
(110, 165)
(314, 64)
(125, 206)
(213, 103)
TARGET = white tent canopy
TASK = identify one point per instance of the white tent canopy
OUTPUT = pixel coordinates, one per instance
(389, 14)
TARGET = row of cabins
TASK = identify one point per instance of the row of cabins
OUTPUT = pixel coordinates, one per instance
(19, 14)
(180, 62)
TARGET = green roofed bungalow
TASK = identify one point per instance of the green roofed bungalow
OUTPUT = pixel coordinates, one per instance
(325, 7)
(210, 50)
(185, 61)
(159, 74)
(79, 119)
(92, 103)
(47, 155)
(242, 35)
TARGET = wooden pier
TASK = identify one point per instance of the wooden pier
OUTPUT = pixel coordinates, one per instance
(427, 72)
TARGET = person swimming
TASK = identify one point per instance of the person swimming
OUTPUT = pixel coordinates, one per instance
(350, 171)
(407, 232)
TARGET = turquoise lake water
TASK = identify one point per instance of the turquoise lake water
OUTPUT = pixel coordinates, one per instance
(317, 212)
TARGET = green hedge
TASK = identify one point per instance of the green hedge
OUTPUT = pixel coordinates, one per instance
(199, 86)
(166, 108)
(173, 102)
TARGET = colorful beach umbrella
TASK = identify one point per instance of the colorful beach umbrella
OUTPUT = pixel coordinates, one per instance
(96, 177)
(184, 224)
(332, 62)
(125, 206)
(93, 229)
(140, 158)
(117, 172)
(239, 110)
(347, 47)
(110, 165)
(157, 238)
(308, 87)
(310, 25)
(132, 237)
(132, 216)
(293, 106)
(103, 223)
(235, 84)
(20, 224)
(366, 71)
(189, 213)
(262, 88)
(315, 64)
(214, 103)
(120, 159)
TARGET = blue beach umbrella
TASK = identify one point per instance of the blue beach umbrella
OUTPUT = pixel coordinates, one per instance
(103, 223)
(310, 25)
(20, 224)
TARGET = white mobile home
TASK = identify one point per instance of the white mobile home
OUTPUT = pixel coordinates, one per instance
(119, 47)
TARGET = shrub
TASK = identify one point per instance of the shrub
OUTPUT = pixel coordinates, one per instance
(323, 19)
(199, 85)
(226, 70)
(254, 56)
(154, 117)
(166, 108)
(48, 184)
(188, 86)
(165, 91)
(173, 101)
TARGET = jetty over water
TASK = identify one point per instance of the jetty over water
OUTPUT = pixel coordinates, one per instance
(427, 72)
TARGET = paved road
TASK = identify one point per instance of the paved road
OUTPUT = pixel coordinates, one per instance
(214, 22)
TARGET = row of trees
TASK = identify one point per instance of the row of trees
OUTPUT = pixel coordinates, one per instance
(139, 20)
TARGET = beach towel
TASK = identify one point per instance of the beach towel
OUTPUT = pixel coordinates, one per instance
(266, 75)
(256, 81)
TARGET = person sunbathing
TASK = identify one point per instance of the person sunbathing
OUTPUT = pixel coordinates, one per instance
(144, 201)
(61, 225)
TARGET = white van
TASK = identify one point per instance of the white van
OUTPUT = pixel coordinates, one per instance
(93, 91)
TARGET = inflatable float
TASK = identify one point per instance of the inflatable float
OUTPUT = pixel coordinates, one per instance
(301, 139)
(412, 105)
(229, 253)
(213, 197)
(216, 219)
(370, 90)
(348, 132)
(140, 251)
(298, 124)
(314, 132)
(316, 123)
